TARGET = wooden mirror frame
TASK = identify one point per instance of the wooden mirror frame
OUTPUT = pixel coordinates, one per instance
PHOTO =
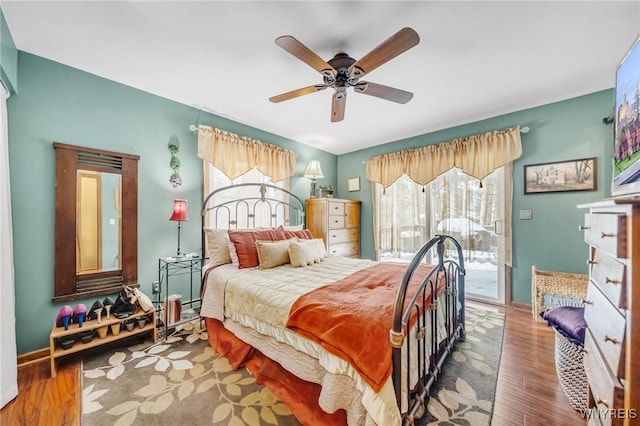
(68, 284)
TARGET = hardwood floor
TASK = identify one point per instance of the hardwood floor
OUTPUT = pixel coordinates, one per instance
(528, 392)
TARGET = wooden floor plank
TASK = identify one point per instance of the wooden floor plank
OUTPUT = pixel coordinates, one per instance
(527, 392)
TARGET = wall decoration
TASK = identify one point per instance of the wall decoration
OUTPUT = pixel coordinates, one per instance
(174, 164)
(353, 184)
(561, 176)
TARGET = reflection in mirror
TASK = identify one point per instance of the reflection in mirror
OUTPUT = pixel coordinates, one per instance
(98, 221)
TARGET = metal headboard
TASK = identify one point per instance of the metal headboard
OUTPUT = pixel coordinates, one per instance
(240, 213)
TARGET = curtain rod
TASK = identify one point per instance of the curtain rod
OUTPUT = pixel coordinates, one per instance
(194, 129)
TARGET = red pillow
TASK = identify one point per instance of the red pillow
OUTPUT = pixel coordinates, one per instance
(245, 244)
(303, 234)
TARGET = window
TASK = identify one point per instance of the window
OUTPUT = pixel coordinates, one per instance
(409, 215)
(245, 215)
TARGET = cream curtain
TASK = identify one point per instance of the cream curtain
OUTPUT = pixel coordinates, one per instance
(477, 155)
(235, 155)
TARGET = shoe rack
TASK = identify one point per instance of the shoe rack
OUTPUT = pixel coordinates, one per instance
(59, 333)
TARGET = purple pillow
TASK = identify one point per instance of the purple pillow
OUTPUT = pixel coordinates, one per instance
(568, 321)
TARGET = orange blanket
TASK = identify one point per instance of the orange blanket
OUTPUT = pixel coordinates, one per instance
(352, 317)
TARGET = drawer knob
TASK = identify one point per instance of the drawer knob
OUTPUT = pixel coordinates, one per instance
(611, 280)
(587, 302)
(601, 401)
(607, 235)
(582, 227)
(611, 339)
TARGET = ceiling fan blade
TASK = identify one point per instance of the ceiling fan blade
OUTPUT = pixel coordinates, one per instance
(398, 43)
(306, 55)
(383, 92)
(337, 105)
(298, 92)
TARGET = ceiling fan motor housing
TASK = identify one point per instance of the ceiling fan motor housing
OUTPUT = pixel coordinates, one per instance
(342, 78)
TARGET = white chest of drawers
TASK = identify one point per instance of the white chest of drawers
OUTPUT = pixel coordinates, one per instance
(612, 310)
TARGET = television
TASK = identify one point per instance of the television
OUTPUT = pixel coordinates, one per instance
(626, 144)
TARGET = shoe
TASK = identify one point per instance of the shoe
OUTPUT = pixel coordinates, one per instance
(108, 304)
(79, 313)
(66, 343)
(95, 311)
(64, 317)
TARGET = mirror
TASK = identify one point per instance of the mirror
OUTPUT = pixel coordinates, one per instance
(96, 242)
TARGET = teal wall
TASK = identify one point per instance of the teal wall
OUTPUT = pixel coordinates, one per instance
(8, 56)
(59, 103)
(560, 131)
(62, 104)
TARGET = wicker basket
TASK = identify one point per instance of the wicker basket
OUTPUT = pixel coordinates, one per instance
(570, 371)
(559, 288)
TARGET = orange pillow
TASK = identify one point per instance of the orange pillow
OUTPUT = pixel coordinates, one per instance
(245, 244)
(303, 234)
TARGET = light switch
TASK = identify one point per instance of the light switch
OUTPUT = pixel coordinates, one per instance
(525, 214)
(112, 221)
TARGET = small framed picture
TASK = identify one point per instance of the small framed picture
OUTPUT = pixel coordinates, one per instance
(353, 184)
(561, 176)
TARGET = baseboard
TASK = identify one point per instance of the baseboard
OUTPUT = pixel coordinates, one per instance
(32, 357)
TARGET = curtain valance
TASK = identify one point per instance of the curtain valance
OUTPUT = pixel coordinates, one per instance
(477, 155)
(235, 155)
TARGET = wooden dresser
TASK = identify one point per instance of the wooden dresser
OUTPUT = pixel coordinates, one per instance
(337, 222)
(612, 311)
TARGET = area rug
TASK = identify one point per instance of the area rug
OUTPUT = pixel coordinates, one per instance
(465, 391)
(183, 381)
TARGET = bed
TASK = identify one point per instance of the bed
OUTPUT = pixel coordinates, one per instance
(338, 340)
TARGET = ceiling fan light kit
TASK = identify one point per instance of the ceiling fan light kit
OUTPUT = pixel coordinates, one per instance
(342, 71)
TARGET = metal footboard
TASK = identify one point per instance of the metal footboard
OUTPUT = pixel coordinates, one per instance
(415, 344)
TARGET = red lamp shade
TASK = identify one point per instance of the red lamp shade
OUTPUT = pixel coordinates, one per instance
(179, 213)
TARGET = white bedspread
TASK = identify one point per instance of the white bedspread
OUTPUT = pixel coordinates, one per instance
(254, 304)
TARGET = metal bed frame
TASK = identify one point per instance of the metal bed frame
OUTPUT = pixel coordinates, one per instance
(431, 354)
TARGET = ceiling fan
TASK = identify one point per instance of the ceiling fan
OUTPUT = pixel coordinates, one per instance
(342, 71)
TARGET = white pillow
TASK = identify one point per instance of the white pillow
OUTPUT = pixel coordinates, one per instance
(217, 246)
(306, 252)
(273, 253)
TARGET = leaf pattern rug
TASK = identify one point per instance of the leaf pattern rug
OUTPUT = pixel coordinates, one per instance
(183, 381)
(465, 391)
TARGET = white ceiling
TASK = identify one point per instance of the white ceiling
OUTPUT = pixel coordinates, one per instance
(475, 59)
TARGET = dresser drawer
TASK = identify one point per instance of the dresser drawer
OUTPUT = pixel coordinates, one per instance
(610, 276)
(344, 249)
(607, 232)
(607, 326)
(343, 236)
(336, 221)
(336, 208)
(607, 391)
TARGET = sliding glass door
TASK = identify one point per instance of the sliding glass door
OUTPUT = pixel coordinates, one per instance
(408, 215)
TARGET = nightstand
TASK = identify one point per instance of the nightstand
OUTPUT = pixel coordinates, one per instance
(171, 267)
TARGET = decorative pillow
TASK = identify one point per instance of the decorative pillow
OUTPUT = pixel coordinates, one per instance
(568, 321)
(290, 232)
(217, 250)
(245, 244)
(232, 248)
(273, 253)
(306, 252)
